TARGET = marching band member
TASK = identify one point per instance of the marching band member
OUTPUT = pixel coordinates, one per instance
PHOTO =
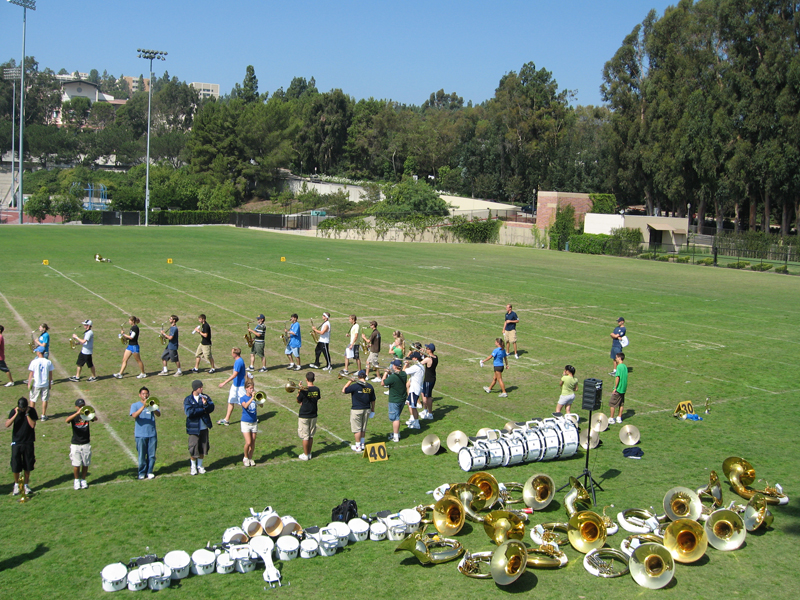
(144, 432)
(569, 385)
(236, 380)
(249, 423)
(431, 361)
(362, 397)
(395, 379)
(80, 448)
(352, 348)
(40, 380)
(374, 341)
(398, 345)
(258, 344)
(132, 348)
(23, 456)
(323, 345)
(293, 344)
(171, 351)
(510, 330)
(204, 347)
(87, 349)
(44, 339)
(415, 372)
(3, 367)
(499, 359)
(307, 398)
(197, 407)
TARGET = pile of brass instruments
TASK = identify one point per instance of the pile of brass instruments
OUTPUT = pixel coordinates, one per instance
(248, 336)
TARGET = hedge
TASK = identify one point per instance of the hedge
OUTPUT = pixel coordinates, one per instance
(189, 217)
(589, 243)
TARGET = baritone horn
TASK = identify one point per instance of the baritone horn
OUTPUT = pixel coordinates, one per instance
(260, 398)
(161, 335)
(652, 566)
(87, 413)
(314, 334)
(152, 403)
(293, 386)
(73, 343)
(248, 337)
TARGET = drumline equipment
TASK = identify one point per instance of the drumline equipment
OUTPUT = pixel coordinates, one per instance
(240, 554)
(203, 562)
(179, 562)
(157, 575)
(234, 535)
(252, 527)
(341, 531)
(290, 526)
(359, 530)
(309, 548)
(224, 563)
(114, 577)
(269, 520)
(377, 531)
(135, 581)
(457, 440)
(287, 547)
(262, 547)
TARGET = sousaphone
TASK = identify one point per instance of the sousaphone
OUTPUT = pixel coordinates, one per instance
(712, 491)
(490, 489)
(686, 540)
(586, 531)
(503, 525)
(725, 530)
(506, 564)
(652, 566)
(431, 548)
(538, 491)
(576, 494)
(741, 474)
(756, 513)
(471, 498)
(682, 503)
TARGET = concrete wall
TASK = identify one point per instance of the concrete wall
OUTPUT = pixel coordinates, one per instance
(549, 201)
(676, 238)
(597, 223)
(510, 234)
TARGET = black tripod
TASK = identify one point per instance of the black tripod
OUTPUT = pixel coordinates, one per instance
(588, 481)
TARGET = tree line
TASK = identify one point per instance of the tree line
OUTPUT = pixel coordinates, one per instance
(702, 116)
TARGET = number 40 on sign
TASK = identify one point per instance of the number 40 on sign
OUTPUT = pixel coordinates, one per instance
(376, 452)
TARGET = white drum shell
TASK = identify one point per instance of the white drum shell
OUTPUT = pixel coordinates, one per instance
(377, 531)
(309, 548)
(252, 527)
(496, 451)
(395, 530)
(115, 577)
(534, 444)
(472, 458)
(234, 535)
(517, 450)
(412, 520)
(341, 531)
(359, 530)
(328, 543)
(286, 547)
(270, 522)
(135, 581)
(203, 562)
(180, 562)
(225, 564)
(157, 574)
(552, 443)
(241, 558)
(290, 525)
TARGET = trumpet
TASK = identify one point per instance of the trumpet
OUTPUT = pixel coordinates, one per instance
(248, 337)
(161, 335)
(152, 403)
(260, 398)
(73, 343)
(293, 386)
(122, 338)
(87, 413)
(314, 334)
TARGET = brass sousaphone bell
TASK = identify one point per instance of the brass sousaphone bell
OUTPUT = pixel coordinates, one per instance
(682, 503)
(490, 489)
(576, 495)
(471, 499)
(756, 513)
(741, 474)
(503, 525)
(711, 491)
(506, 564)
(586, 531)
(652, 566)
(447, 515)
(686, 540)
(538, 491)
(431, 548)
(725, 530)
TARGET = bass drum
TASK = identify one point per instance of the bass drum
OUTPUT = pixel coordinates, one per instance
(517, 450)
(472, 458)
(497, 450)
(534, 443)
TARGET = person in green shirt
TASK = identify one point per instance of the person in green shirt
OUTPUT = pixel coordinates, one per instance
(396, 382)
(617, 400)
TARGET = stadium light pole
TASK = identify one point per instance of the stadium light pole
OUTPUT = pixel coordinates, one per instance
(25, 4)
(150, 55)
(13, 75)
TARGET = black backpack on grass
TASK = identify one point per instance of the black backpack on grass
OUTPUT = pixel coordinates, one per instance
(345, 511)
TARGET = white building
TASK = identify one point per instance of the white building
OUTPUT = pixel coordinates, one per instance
(206, 90)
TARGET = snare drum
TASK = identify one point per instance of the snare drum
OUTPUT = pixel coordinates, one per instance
(241, 558)
(179, 562)
(286, 547)
(534, 444)
(472, 458)
(114, 577)
(411, 518)
(224, 564)
(552, 442)
(270, 522)
(234, 535)
(252, 527)
(496, 451)
(517, 451)
(341, 531)
(203, 562)
(157, 574)
(135, 581)
(395, 530)
(328, 542)
(377, 531)
(309, 548)
(359, 529)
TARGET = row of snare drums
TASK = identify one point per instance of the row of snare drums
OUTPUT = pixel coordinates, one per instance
(534, 441)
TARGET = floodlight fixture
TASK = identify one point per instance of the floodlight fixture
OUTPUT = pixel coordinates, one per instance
(150, 55)
(31, 4)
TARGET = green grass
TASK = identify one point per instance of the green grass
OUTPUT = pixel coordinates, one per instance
(694, 332)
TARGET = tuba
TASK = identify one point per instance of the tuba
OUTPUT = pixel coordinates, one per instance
(87, 413)
(503, 525)
(756, 513)
(538, 491)
(652, 566)
(741, 474)
(448, 515)
(314, 334)
(248, 337)
(577, 493)
(586, 531)
(152, 403)
(490, 489)
(686, 540)
(471, 498)
(682, 503)
(506, 564)
(431, 548)
(725, 530)
(260, 398)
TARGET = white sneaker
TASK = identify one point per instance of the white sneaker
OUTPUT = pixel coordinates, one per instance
(375, 380)
(516, 355)
(619, 419)
(503, 395)
(486, 389)
(262, 370)
(245, 462)
(410, 420)
(303, 457)
(386, 392)
(328, 368)
(16, 486)
(290, 367)
(345, 372)
(93, 378)
(77, 484)
(201, 470)
(414, 424)
(313, 366)
(84, 485)
(151, 476)
(141, 376)
(193, 471)
(178, 373)
(355, 448)
(211, 370)
(27, 489)
(297, 367)
(164, 372)
(250, 369)
(395, 438)
(428, 416)
(117, 375)
(10, 384)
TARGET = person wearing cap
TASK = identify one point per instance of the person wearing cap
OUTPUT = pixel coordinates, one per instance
(3, 367)
(171, 351)
(204, 347)
(144, 433)
(415, 372)
(616, 343)
(23, 458)
(258, 344)
(510, 330)
(197, 407)
(132, 349)
(237, 381)
(87, 349)
(80, 448)
(307, 397)
(430, 361)
(294, 342)
(40, 380)
(323, 345)
(499, 358)
(249, 422)
(44, 339)
(374, 341)
(351, 351)
(396, 382)
(362, 397)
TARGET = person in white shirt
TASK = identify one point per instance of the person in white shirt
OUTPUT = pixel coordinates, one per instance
(87, 348)
(416, 374)
(323, 345)
(351, 351)
(40, 380)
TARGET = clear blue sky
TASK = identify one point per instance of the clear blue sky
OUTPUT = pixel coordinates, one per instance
(399, 50)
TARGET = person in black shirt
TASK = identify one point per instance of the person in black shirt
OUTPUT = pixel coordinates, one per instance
(307, 398)
(80, 450)
(204, 348)
(132, 349)
(23, 458)
(431, 361)
(362, 395)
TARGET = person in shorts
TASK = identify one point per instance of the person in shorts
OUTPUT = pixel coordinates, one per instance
(362, 398)
(23, 436)
(204, 347)
(395, 379)
(44, 339)
(197, 407)
(144, 433)
(499, 359)
(170, 353)
(80, 448)
(258, 344)
(430, 362)
(308, 397)
(293, 343)
(616, 341)
(3, 367)
(249, 423)
(374, 341)
(237, 380)
(351, 351)
(617, 401)
(87, 349)
(40, 380)
(510, 330)
(415, 375)
(132, 349)
(568, 385)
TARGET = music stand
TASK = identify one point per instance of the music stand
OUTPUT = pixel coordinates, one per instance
(588, 481)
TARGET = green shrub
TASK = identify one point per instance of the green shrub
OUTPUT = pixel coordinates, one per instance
(708, 261)
(189, 217)
(589, 243)
(646, 256)
(782, 269)
(738, 265)
(663, 258)
(683, 259)
(624, 241)
(474, 232)
(761, 267)
(603, 204)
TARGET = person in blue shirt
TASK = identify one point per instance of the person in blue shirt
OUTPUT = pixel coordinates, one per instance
(237, 381)
(294, 343)
(171, 351)
(249, 422)
(44, 339)
(144, 432)
(198, 407)
(499, 358)
(510, 330)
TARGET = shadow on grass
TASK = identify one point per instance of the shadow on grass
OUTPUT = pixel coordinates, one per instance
(629, 412)
(16, 561)
(288, 451)
(526, 582)
(329, 447)
(57, 481)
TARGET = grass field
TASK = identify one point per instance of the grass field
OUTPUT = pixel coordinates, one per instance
(695, 332)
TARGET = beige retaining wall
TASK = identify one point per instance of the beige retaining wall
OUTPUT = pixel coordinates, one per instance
(510, 235)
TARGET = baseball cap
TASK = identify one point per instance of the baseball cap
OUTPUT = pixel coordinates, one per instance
(416, 355)
(87, 322)
(397, 363)
(39, 349)
(361, 373)
(260, 317)
(431, 347)
(620, 319)
(80, 402)
(196, 385)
